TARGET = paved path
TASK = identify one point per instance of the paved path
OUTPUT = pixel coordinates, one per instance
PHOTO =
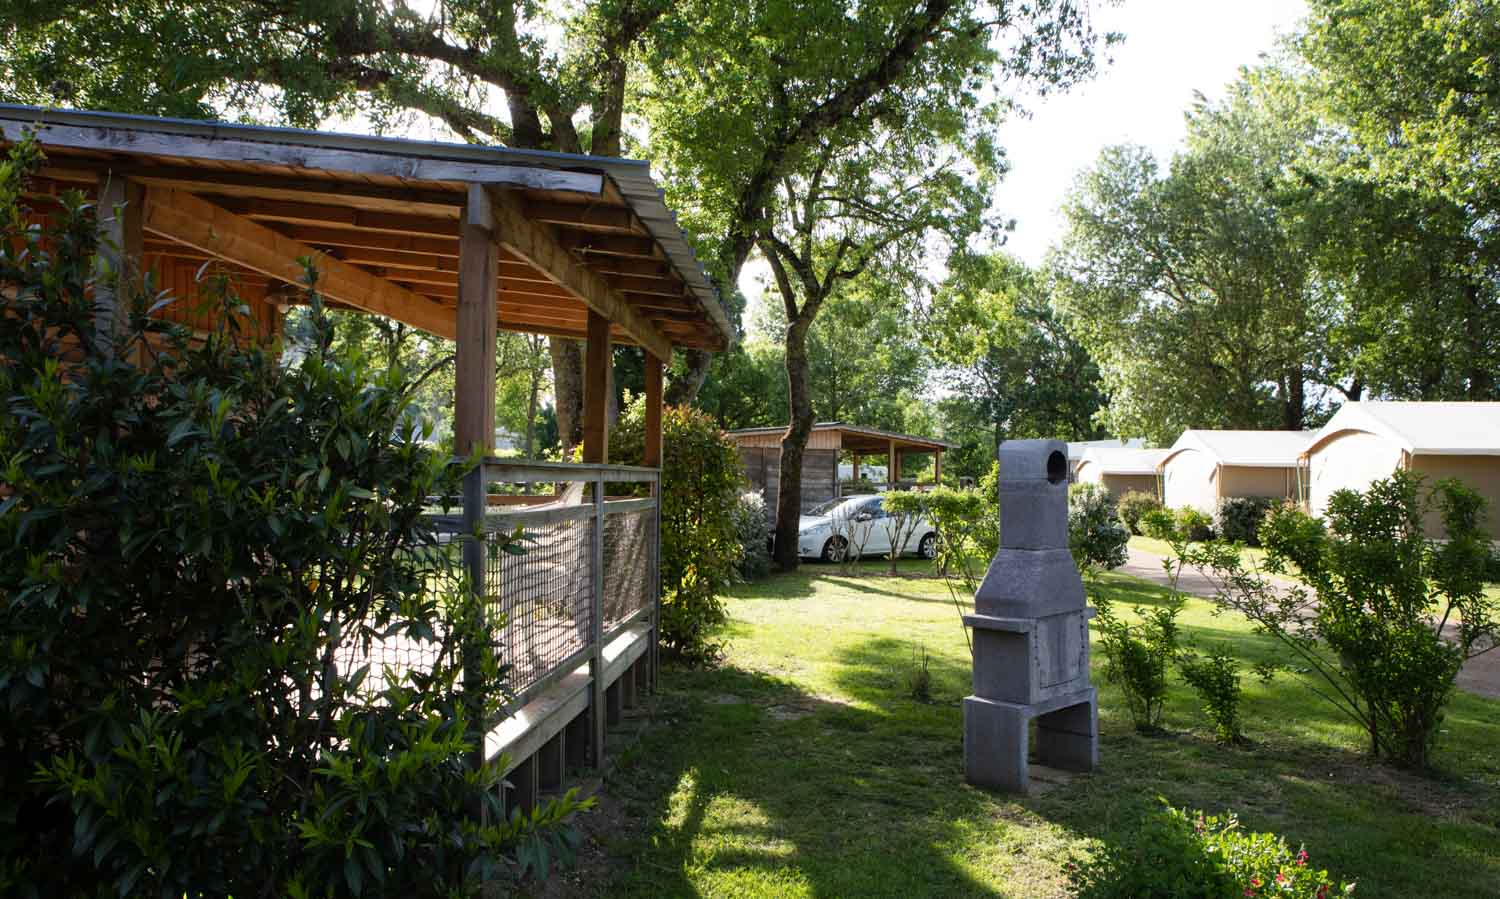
(1481, 675)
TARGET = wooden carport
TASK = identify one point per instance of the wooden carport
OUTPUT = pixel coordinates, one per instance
(457, 241)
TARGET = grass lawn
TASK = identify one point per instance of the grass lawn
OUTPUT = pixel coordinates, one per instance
(802, 767)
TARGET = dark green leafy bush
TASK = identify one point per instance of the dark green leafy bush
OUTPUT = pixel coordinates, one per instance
(700, 545)
(1159, 523)
(1096, 537)
(1388, 615)
(1133, 505)
(1238, 518)
(1138, 657)
(1194, 524)
(754, 534)
(1175, 854)
(1216, 678)
(187, 539)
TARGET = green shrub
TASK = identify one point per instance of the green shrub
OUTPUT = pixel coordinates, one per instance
(754, 534)
(1133, 505)
(1096, 537)
(904, 510)
(186, 540)
(1370, 626)
(1175, 854)
(1194, 524)
(1238, 518)
(1216, 678)
(1138, 657)
(700, 545)
(1159, 523)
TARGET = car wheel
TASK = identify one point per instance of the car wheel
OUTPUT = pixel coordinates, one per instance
(835, 549)
(927, 549)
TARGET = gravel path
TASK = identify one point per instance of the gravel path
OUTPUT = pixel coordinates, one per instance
(1481, 675)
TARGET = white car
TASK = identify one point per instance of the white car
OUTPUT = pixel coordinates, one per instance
(859, 517)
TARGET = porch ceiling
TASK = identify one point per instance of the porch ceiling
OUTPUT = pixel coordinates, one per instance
(381, 217)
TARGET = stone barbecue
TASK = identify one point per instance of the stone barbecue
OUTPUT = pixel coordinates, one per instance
(1031, 640)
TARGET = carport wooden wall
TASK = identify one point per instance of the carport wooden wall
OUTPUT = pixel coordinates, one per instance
(762, 466)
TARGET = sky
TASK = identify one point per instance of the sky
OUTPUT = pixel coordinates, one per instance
(1172, 48)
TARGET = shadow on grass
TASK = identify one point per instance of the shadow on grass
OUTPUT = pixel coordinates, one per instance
(755, 788)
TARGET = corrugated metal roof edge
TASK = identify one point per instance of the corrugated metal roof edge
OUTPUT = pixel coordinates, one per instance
(619, 169)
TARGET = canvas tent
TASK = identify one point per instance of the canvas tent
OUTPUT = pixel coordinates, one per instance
(1204, 467)
(1367, 441)
(1122, 470)
(760, 453)
(1076, 449)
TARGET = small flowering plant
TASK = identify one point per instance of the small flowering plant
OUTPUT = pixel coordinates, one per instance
(1176, 853)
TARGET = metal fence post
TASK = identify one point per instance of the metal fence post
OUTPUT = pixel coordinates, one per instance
(596, 628)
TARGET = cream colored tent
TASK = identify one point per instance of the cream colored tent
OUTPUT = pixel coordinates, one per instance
(1122, 470)
(1204, 467)
(1366, 441)
(1076, 449)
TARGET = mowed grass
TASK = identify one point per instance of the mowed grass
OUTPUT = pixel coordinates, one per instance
(803, 767)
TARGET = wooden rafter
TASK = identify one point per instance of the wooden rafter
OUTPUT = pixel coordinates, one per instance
(187, 219)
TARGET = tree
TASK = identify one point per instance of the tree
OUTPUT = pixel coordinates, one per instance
(824, 135)
(865, 360)
(558, 74)
(1014, 370)
(1417, 85)
(1193, 289)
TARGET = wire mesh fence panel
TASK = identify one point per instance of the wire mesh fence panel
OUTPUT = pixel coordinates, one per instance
(542, 597)
(629, 564)
(390, 648)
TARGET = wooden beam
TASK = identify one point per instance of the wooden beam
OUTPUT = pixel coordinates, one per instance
(597, 364)
(937, 467)
(121, 244)
(474, 377)
(332, 153)
(597, 244)
(443, 245)
(585, 216)
(652, 455)
(326, 214)
(625, 265)
(193, 221)
(537, 245)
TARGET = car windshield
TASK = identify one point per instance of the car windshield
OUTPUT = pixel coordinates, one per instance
(826, 508)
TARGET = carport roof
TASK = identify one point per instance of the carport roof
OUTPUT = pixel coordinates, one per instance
(861, 439)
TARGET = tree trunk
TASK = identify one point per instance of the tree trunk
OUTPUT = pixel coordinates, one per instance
(684, 389)
(1294, 402)
(793, 444)
(567, 389)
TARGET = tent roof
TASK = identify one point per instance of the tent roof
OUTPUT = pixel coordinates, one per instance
(1421, 428)
(1124, 460)
(1261, 449)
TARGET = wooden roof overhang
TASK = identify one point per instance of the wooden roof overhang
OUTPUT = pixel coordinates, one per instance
(857, 439)
(380, 217)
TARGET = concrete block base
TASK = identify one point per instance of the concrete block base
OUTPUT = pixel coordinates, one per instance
(995, 738)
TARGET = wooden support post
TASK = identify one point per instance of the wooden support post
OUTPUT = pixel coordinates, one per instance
(892, 465)
(652, 457)
(576, 741)
(523, 786)
(474, 419)
(613, 700)
(121, 241)
(598, 361)
(551, 762)
(937, 468)
(857, 459)
(478, 292)
(627, 687)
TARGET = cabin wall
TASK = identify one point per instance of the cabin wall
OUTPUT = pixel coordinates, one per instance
(762, 466)
(1257, 480)
(1121, 484)
(1479, 473)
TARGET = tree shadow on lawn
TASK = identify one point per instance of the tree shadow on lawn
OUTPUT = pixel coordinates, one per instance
(753, 787)
(1401, 833)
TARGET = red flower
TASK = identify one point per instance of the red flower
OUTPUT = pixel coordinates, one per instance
(1280, 877)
